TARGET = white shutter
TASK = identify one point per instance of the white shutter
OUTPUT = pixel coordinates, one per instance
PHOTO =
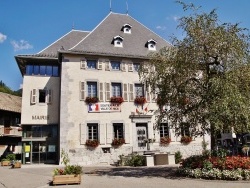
(82, 90)
(123, 66)
(102, 134)
(83, 64)
(110, 131)
(107, 65)
(127, 132)
(48, 96)
(131, 92)
(83, 133)
(99, 65)
(147, 96)
(107, 89)
(33, 96)
(101, 92)
(130, 67)
(125, 92)
(153, 97)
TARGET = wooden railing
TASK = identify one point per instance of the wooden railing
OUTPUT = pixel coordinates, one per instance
(15, 131)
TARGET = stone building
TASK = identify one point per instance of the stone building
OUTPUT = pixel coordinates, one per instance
(85, 86)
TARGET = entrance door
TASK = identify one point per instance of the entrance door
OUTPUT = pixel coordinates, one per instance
(141, 135)
(38, 152)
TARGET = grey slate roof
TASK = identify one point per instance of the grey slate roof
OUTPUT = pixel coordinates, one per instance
(10, 103)
(67, 41)
(99, 41)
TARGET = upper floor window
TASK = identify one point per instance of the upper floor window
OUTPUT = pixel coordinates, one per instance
(136, 66)
(118, 41)
(116, 89)
(139, 90)
(91, 64)
(151, 44)
(44, 70)
(185, 129)
(126, 28)
(92, 89)
(116, 65)
(41, 96)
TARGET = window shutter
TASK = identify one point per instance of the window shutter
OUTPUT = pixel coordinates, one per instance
(101, 92)
(102, 134)
(99, 65)
(153, 96)
(82, 91)
(49, 96)
(33, 96)
(125, 92)
(107, 89)
(172, 135)
(147, 96)
(131, 92)
(83, 64)
(107, 65)
(123, 66)
(130, 67)
(127, 133)
(83, 133)
(110, 135)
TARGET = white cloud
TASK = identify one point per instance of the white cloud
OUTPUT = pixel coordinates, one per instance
(21, 45)
(161, 27)
(175, 18)
(2, 38)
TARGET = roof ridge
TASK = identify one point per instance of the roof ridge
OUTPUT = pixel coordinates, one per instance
(91, 31)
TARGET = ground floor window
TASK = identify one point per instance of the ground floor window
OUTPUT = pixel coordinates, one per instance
(118, 130)
(92, 131)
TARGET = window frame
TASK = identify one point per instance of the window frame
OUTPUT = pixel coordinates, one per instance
(141, 86)
(164, 130)
(91, 62)
(92, 93)
(91, 134)
(118, 130)
(114, 66)
(115, 91)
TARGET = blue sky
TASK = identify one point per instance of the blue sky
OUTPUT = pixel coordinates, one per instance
(28, 26)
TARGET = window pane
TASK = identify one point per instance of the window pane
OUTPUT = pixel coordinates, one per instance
(92, 89)
(136, 66)
(29, 69)
(92, 131)
(115, 65)
(42, 96)
(139, 90)
(42, 70)
(118, 130)
(36, 69)
(91, 64)
(55, 71)
(49, 70)
(116, 90)
(164, 130)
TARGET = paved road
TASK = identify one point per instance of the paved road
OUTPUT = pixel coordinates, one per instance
(40, 176)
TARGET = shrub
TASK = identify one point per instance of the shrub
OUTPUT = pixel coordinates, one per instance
(136, 160)
(178, 157)
(11, 157)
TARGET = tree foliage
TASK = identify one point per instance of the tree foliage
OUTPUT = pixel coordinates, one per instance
(6, 89)
(203, 80)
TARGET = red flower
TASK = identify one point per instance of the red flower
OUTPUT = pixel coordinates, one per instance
(92, 143)
(91, 100)
(118, 141)
(116, 100)
(140, 100)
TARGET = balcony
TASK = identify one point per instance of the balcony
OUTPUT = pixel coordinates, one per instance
(10, 131)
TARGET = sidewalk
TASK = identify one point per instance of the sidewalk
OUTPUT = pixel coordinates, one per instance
(40, 176)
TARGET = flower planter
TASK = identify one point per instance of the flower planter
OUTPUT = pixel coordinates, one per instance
(5, 163)
(140, 100)
(118, 100)
(16, 165)
(66, 179)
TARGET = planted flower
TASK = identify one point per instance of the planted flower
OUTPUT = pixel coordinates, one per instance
(92, 143)
(165, 140)
(118, 142)
(140, 100)
(186, 139)
(116, 100)
(91, 100)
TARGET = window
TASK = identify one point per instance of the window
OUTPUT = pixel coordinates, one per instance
(164, 130)
(91, 64)
(116, 89)
(185, 129)
(116, 65)
(42, 96)
(151, 44)
(117, 41)
(92, 89)
(118, 130)
(92, 131)
(136, 66)
(126, 28)
(44, 70)
(139, 91)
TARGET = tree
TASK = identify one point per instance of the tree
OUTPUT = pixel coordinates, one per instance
(6, 89)
(203, 80)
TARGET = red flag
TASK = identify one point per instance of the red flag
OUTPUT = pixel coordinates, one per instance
(146, 109)
(137, 111)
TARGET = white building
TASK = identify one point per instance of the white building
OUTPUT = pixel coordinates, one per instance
(101, 63)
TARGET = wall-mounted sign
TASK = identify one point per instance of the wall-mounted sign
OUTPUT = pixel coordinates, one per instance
(27, 148)
(34, 117)
(104, 107)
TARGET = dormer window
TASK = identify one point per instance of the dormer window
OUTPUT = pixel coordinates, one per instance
(126, 28)
(151, 44)
(118, 41)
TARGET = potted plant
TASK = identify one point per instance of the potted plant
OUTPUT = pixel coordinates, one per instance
(92, 143)
(165, 140)
(5, 162)
(116, 142)
(186, 139)
(116, 100)
(140, 100)
(70, 174)
(89, 100)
